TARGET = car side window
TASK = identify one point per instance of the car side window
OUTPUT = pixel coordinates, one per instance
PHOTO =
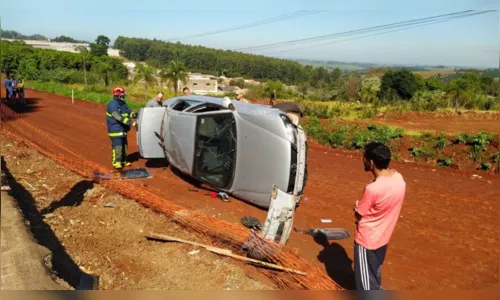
(215, 151)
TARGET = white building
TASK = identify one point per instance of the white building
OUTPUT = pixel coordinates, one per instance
(200, 84)
(67, 47)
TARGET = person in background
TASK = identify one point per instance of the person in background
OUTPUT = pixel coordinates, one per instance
(157, 101)
(20, 91)
(272, 101)
(14, 86)
(239, 96)
(186, 91)
(8, 86)
(376, 215)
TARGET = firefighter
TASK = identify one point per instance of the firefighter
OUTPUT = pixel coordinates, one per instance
(119, 120)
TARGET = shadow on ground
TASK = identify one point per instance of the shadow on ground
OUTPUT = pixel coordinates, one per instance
(337, 263)
(73, 198)
(30, 106)
(62, 263)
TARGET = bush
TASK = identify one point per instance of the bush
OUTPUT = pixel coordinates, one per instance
(336, 138)
(484, 166)
(441, 142)
(495, 157)
(445, 162)
(422, 153)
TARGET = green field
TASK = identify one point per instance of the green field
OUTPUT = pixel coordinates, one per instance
(332, 65)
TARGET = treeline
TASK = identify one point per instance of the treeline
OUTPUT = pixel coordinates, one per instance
(398, 88)
(11, 34)
(31, 63)
(67, 39)
(219, 62)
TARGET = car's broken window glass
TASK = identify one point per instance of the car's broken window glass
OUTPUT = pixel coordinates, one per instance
(216, 149)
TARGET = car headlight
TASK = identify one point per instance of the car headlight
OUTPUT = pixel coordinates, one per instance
(290, 130)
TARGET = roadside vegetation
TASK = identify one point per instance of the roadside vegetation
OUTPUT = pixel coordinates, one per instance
(479, 151)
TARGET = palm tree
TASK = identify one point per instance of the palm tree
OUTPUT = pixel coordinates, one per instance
(104, 68)
(83, 50)
(146, 74)
(175, 72)
(163, 77)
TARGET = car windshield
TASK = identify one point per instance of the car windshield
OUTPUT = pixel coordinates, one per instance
(215, 149)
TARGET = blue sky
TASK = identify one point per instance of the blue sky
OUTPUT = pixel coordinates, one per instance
(473, 41)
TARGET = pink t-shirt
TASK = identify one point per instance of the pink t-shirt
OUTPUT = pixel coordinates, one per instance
(379, 208)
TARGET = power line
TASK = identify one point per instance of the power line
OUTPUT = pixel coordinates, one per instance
(376, 34)
(350, 32)
(284, 17)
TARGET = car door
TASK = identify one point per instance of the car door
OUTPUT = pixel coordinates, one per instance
(149, 132)
(179, 132)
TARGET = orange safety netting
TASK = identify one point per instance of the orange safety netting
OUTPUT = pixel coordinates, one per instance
(220, 232)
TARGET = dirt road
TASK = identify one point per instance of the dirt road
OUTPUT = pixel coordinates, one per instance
(446, 237)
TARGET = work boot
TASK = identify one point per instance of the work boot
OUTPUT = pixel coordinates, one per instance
(117, 165)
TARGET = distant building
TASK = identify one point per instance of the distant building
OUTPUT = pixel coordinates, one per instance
(66, 47)
(113, 52)
(252, 82)
(200, 84)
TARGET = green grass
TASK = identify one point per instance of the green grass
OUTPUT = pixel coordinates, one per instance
(95, 94)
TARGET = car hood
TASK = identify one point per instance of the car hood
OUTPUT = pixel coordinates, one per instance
(262, 158)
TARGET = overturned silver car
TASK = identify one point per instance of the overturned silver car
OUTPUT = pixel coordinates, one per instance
(242, 149)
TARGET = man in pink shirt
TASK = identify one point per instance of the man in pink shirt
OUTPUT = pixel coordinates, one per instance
(376, 214)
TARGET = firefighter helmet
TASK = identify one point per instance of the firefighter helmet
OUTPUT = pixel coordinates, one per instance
(119, 91)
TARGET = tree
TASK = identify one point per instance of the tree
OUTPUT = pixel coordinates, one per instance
(100, 47)
(464, 89)
(84, 52)
(458, 91)
(276, 86)
(176, 72)
(28, 69)
(433, 84)
(146, 74)
(351, 87)
(401, 83)
(103, 68)
(369, 89)
(66, 39)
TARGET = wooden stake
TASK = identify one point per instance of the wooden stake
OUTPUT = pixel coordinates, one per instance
(221, 251)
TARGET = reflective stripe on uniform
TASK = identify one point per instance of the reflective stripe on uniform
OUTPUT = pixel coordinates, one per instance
(125, 121)
(123, 115)
(113, 134)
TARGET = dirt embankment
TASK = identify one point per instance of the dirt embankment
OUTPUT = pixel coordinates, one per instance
(90, 229)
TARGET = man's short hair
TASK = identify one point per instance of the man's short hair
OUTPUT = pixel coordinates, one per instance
(158, 93)
(185, 88)
(379, 153)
